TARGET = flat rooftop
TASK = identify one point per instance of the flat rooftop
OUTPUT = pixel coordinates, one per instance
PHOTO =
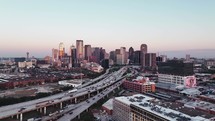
(108, 104)
(146, 103)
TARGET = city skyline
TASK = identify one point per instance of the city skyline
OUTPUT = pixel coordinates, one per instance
(38, 26)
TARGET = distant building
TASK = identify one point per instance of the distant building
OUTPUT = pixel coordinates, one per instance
(123, 53)
(143, 51)
(87, 51)
(188, 58)
(119, 59)
(66, 61)
(21, 59)
(131, 55)
(210, 63)
(186, 81)
(25, 64)
(112, 55)
(139, 85)
(55, 55)
(79, 49)
(175, 67)
(150, 60)
(96, 53)
(74, 58)
(105, 63)
(61, 50)
(137, 57)
(102, 55)
(161, 58)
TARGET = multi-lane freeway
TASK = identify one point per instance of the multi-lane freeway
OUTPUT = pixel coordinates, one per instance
(74, 112)
(20, 108)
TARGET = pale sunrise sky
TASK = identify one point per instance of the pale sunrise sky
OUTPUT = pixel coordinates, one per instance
(37, 26)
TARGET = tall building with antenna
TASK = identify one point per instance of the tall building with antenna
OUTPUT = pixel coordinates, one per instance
(27, 56)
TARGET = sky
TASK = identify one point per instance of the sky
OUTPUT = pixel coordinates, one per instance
(37, 26)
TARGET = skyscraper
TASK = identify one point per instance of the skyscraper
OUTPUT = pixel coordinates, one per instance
(96, 54)
(61, 50)
(123, 52)
(143, 50)
(137, 57)
(73, 56)
(102, 54)
(87, 51)
(150, 60)
(54, 55)
(112, 55)
(131, 55)
(79, 49)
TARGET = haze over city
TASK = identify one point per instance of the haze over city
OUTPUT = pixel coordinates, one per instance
(164, 25)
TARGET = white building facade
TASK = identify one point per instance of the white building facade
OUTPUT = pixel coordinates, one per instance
(187, 81)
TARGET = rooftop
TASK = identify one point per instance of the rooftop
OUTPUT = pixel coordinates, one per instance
(146, 103)
(108, 104)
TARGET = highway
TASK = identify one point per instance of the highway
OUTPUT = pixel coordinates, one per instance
(11, 110)
(79, 108)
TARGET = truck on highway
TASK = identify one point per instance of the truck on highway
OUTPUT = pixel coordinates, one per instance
(71, 91)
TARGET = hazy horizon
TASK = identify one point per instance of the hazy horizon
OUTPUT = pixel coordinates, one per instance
(165, 25)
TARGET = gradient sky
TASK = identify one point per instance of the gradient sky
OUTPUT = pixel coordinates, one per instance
(37, 26)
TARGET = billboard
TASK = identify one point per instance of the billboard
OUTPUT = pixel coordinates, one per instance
(190, 81)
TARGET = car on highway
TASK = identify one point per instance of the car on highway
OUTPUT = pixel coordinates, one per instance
(70, 113)
(21, 109)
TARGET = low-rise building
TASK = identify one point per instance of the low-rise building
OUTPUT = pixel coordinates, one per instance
(108, 106)
(186, 81)
(140, 85)
(142, 108)
(25, 64)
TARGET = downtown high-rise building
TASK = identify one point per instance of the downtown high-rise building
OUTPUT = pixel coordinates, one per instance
(131, 55)
(87, 51)
(61, 50)
(143, 50)
(102, 54)
(150, 60)
(73, 56)
(112, 56)
(137, 55)
(96, 51)
(54, 55)
(123, 53)
(79, 49)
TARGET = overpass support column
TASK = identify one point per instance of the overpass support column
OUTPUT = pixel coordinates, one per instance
(97, 91)
(41, 110)
(107, 95)
(87, 109)
(79, 116)
(75, 100)
(118, 88)
(113, 91)
(17, 116)
(61, 105)
(21, 118)
(44, 110)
